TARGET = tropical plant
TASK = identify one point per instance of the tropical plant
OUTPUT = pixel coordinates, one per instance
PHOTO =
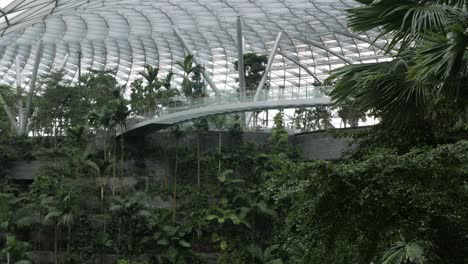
(172, 236)
(132, 214)
(279, 135)
(430, 60)
(6, 218)
(310, 119)
(60, 212)
(406, 252)
(349, 116)
(147, 95)
(192, 83)
(15, 252)
(266, 256)
(254, 67)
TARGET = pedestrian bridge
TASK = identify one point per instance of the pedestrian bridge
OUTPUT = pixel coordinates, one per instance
(179, 111)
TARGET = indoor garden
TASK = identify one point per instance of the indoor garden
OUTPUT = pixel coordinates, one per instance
(363, 163)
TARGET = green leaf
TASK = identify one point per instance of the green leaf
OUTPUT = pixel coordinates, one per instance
(184, 243)
(163, 242)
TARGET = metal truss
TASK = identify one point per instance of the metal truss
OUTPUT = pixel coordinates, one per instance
(124, 35)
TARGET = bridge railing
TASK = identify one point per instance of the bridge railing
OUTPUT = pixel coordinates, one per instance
(175, 105)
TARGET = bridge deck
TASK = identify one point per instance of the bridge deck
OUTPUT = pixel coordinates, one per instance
(140, 126)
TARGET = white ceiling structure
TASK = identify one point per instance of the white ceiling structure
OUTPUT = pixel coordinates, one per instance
(124, 35)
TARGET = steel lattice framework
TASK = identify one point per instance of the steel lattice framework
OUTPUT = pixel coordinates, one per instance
(124, 35)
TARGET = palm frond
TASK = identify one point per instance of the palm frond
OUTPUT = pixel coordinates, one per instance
(381, 88)
(405, 22)
(442, 60)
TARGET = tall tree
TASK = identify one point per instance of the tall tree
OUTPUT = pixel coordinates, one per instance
(254, 67)
(147, 94)
(192, 83)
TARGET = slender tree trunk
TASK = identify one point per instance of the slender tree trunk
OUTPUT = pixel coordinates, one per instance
(56, 244)
(174, 193)
(7, 250)
(466, 113)
(122, 147)
(198, 164)
(60, 246)
(219, 151)
(253, 235)
(166, 168)
(69, 239)
(105, 145)
(114, 165)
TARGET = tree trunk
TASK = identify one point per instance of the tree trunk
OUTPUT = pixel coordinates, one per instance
(114, 165)
(219, 151)
(69, 240)
(174, 194)
(122, 147)
(253, 234)
(198, 164)
(56, 244)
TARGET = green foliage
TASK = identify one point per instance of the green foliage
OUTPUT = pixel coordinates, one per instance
(279, 135)
(170, 236)
(192, 83)
(430, 61)
(406, 252)
(15, 251)
(131, 214)
(148, 95)
(351, 212)
(266, 256)
(310, 119)
(235, 130)
(254, 67)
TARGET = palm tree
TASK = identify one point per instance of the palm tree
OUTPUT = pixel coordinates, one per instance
(430, 62)
(266, 256)
(187, 67)
(132, 213)
(406, 252)
(192, 83)
(61, 212)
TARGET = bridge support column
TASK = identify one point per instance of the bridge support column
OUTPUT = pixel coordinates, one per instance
(240, 63)
(197, 62)
(271, 58)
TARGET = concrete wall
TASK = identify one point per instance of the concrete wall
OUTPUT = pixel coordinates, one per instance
(320, 145)
(315, 145)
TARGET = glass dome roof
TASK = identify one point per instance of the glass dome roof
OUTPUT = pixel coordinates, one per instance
(124, 35)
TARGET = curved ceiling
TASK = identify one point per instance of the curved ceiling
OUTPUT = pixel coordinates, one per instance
(124, 35)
